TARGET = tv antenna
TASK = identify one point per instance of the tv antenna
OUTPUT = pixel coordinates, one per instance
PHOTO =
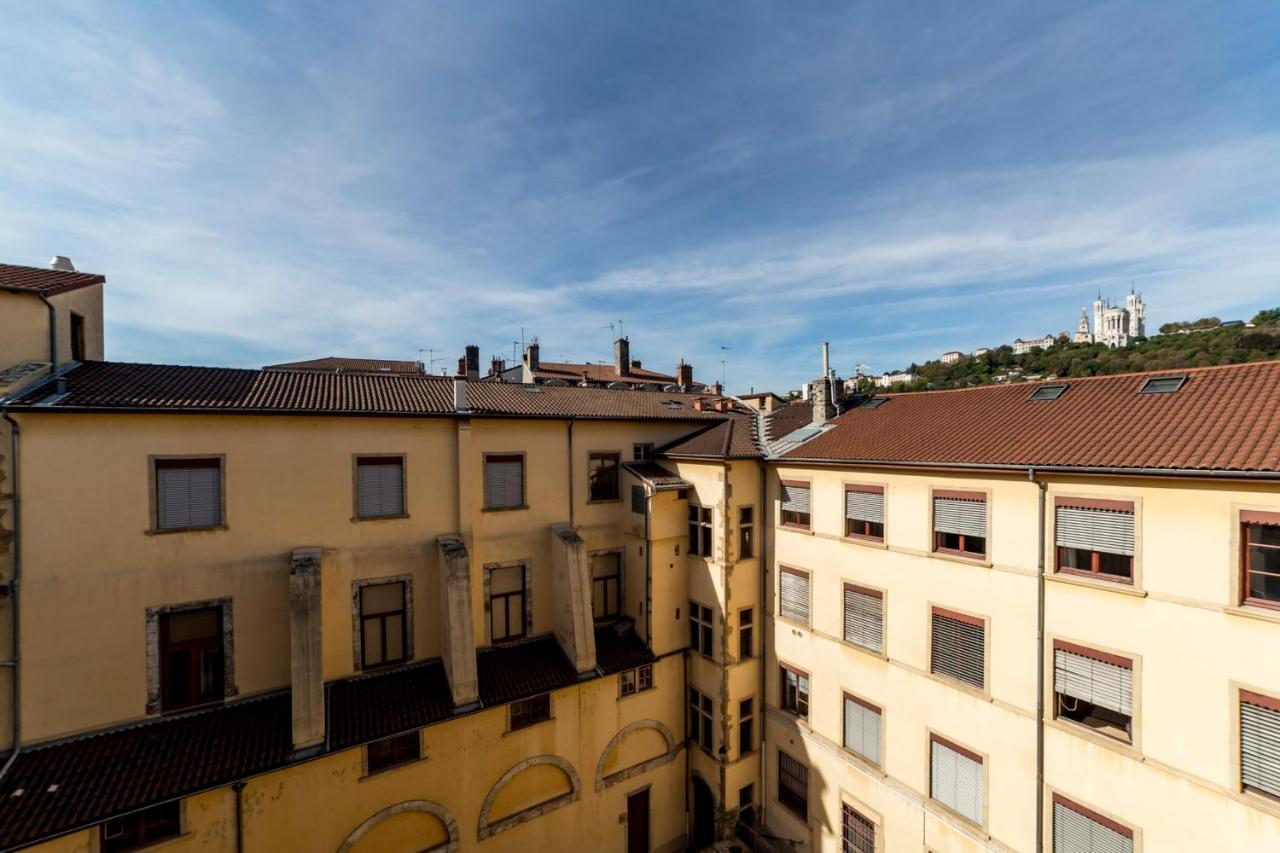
(723, 370)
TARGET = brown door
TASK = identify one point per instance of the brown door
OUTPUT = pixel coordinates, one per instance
(638, 822)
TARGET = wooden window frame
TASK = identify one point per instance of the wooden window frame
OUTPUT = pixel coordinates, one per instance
(604, 457)
(217, 641)
(970, 754)
(782, 513)
(701, 531)
(358, 459)
(1095, 559)
(808, 577)
(618, 578)
(382, 618)
(980, 621)
(702, 632)
(641, 678)
(108, 843)
(525, 604)
(871, 592)
(700, 708)
(747, 533)
(803, 691)
(866, 822)
(1243, 695)
(1247, 519)
(746, 633)
(642, 451)
(399, 753)
(936, 535)
(870, 706)
(746, 726)
(529, 711)
(1057, 799)
(524, 480)
(849, 523)
(76, 335)
(795, 802)
(1124, 661)
(155, 461)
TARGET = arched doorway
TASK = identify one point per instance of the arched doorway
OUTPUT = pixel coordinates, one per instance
(704, 815)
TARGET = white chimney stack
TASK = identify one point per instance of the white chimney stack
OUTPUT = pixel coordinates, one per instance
(826, 358)
(460, 395)
(61, 262)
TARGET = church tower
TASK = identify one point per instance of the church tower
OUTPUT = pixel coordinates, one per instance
(1137, 315)
(1082, 335)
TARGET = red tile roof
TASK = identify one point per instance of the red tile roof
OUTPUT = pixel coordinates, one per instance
(618, 647)
(520, 670)
(46, 281)
(735, 438)
(381, 704)
(571, 372)
(337, 364)
(1223, 419)
(788, 419)
(655, 475)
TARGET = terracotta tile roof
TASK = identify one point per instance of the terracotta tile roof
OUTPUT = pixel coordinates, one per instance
(655, 475)
(618, 648)
(91, 778)
(1222, 419)
(551, 401)
(788, 419)
(46, 281)
(375, 706)
(337, 364)
(734, 438)
(571, 372)
(519, 670)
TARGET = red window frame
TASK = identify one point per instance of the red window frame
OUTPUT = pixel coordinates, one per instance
(1095, 559)
(793, 700)
(797, 524)
(851, 523)
(1249, 518)
(938, 547)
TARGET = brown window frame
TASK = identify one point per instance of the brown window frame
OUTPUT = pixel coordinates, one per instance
(529, 711)
(1248, 519)
(747, 532)
(857, 831)
(962, 539)
(791, 518)
(392, 752)
(642, 451)
(149, 826)
(372, 459)
(1095, 557)
(599, 466)
(524, 480)
(522, 593)
(382, 616)
(798, 704)
(976, 621)
(1106, 657)
(1086, 812)
(76, 332)
(701, 709)
(196, 650)
(746, 633)
(1261, 700)
(702, 629)
(808, 581)
(746, 726)
(850, 524)
(793, 800)
(607, 614)
(701, 538)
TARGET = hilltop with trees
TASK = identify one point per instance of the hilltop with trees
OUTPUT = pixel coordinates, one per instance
(1200, 343)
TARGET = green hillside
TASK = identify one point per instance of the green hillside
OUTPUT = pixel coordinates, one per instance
(1221, 345)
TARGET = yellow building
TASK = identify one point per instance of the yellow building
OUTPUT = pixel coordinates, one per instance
(373, 609)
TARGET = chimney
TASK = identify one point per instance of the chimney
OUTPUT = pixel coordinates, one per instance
(684, 374)
(460, 395)
(531, 356)
(462, 366)
(622, 356)
(62, 263)
(717, 389)
(635, 365)
(471, 362)
(822, 407)
(497, 365)
(700, 404)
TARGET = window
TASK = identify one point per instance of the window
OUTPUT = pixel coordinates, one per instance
(746, 628)
(746, 532)
(77, 337)
(956, 778)
(864, 512)
(379, 486)
(1047, 392)
(862, 728)
(1080, 830)
(1163, 385)
(747, 804)
(795, 504)
(699, 531)
(700, 715)
(1095, 538)
(382, 624)
(191, 657)
(795, 691)
(142, 828)
(1260, 743)
(602, 476)
(1094, 689)
(746, 726)
(639, 501)
(642, 451)
(606, 586)
(793, 785)
(526, 712)
(634, 680)
(873, 403)
(863, 617)
(188, 493)
(504, 481)
(507, 603)
(857, 833)
(960, 523)
(700, 629)
(1261, 537)
(392, 752)
(959, 647)
(793, 594)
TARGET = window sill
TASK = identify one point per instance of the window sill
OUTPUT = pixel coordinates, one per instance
(1106, 586)
(1094, 577)
(379, 517)
(982, 693)
(634, 694)
(1260, 800)
(394, 767)
(797, 528)
(529, 727)
(1254, 611)
(787, 620)
(504, 508)
(866, 541)
(861, 760)
(940, 807)
(961, 557)
(165, 531)
(1095, 737)
(594, 501)
(878, 654)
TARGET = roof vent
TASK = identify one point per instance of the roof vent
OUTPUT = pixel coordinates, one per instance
(62, 263)
(1163, 385)
(1048, 392)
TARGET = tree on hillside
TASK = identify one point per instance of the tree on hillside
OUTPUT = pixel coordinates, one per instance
(1266, 316)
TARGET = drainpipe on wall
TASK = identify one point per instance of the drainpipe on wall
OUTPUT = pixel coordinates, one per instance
(725, 704)
(762, 565)
(53, 332)
(570, 472)
(238, 787)
(12, 664)
(1031, 475)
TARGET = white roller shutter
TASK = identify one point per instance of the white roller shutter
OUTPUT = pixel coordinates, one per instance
(504, 483)
(863, 618)
(862, 730)
(188, 497)
(1095, 530)
(1099, 682)
(955, 780)
(794, 594)
(379, 488)
(795, 498)
(1077, 833)
(959, 650)
(1260, 747)
(864, 506)
(955, 515)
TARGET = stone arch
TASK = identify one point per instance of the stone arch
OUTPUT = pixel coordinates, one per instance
(603, 781)
(489, 827)
(453, 845)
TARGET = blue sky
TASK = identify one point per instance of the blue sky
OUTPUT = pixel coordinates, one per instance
(263, 182)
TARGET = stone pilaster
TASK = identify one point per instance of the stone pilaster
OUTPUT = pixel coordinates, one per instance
(306, 650)
(455, 608)
(571, 597)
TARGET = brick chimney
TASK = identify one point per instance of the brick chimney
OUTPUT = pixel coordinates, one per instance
(717, 389)
(496, 365)
(684, 374)
(622, 356)
(471, 362)
(531, 355)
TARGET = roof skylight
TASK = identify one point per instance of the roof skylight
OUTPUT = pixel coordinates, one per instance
(1163, 385)
(873, 403)
(1048, 392)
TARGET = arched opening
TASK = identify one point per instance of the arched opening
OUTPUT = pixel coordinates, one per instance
(704, 815)
(637, 748)
(414, 825)
(532, 788)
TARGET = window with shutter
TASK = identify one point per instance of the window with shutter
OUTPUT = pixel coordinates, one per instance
(379, 486)
(1077, 829)
(795, 504)
(1260, 536)
(862, 728)
(864, 512)
(858, 834)
(960, 523)
(188, 493)
(793, 594)
(958, 647)
(1094, 689)
(1260, 743)
(956, 778)
(1095, 538)
(794, 691)
(504, 481)
(793, 785)
(863, 617)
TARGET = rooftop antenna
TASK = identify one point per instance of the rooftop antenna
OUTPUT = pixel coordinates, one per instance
(620, 332)
(430, 359)
(723, 372)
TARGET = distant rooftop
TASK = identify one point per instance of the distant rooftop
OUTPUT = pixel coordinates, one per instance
(338, 364)
(45, 281)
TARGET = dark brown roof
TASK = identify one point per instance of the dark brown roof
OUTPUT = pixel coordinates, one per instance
(788, 419)
(734, 438)
(91, 778)
(571, 372)
(119, 385)
(519, 670)
(655, 475)
(370, 707)
(1222, 419)
(46, 281)
(618, 647)
(337, 364)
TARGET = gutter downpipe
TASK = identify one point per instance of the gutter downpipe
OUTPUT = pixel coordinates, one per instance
(16, 712)
(238, 787)
(53, 332)
(762, 563)
(570, 473)
(1040, 543)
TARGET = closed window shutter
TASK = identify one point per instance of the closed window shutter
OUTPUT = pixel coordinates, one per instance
(379, 487)
(1096, 681)
(955, 780)
(1095, 530)
(863, 618)
(1077, 833)
(795, 498)
(862, 730)
(1260, 747)
(794, 590)
(188, 496)
(955, 515)
(959, 650)
(864, 506)
(504, 483)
